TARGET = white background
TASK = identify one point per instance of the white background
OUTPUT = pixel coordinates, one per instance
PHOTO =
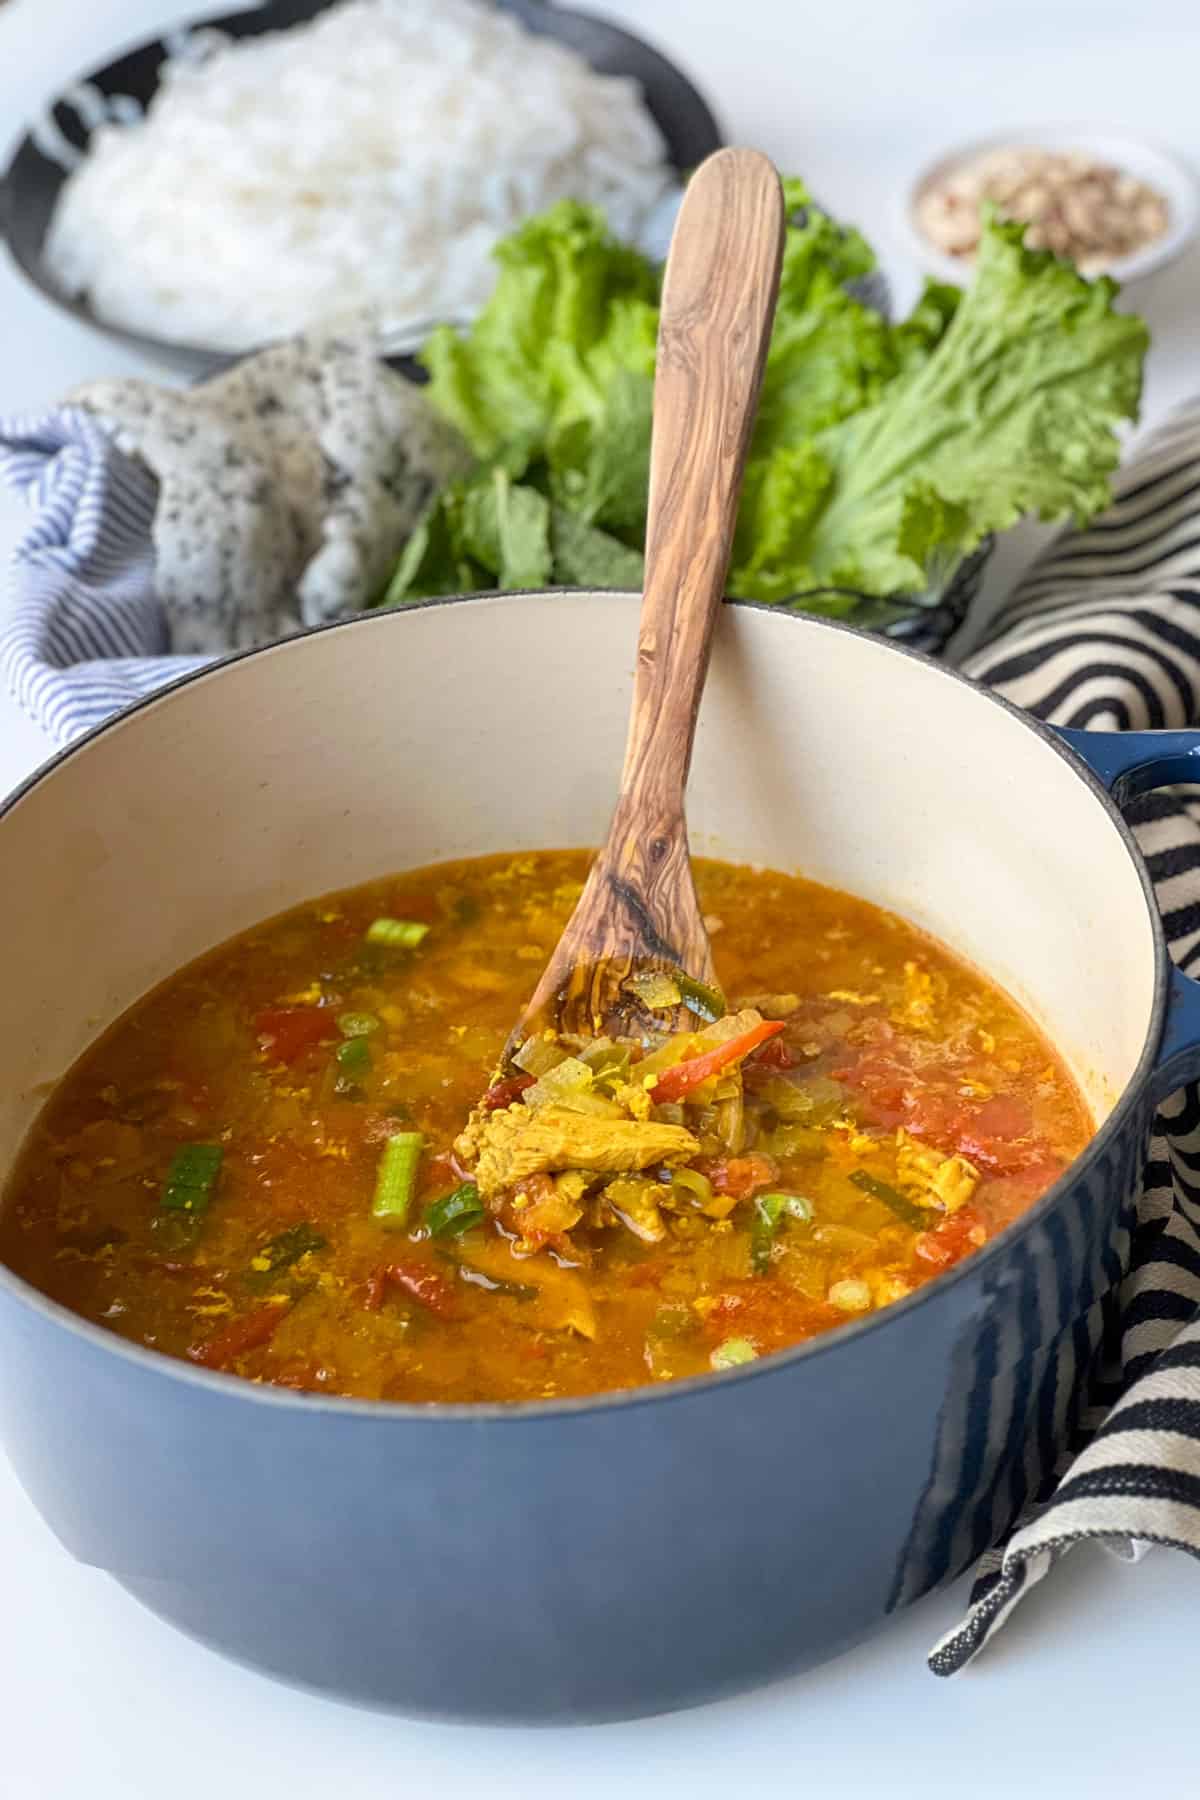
(1092, 1685)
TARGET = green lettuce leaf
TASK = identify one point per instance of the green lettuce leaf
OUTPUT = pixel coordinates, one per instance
(571, 307)
(434, 560)
(1013, 412)
(599, 467)
(492, 532)
(505, 527)
(829, 354)
(586, 557)
(1016, 414)
(882, 454)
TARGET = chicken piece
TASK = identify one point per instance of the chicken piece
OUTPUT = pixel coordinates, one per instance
(932, 1179)
(636, 1100)
(511, 1145)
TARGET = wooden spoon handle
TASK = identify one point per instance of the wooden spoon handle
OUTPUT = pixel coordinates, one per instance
(719, 292)
(639, 902)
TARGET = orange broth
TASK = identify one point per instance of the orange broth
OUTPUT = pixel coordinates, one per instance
(928, 1082)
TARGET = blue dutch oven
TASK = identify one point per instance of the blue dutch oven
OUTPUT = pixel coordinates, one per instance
(643, 1550)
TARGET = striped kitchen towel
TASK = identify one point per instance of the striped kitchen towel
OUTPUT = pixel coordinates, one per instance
(172, 525)
(84, 633)
(1104, 632)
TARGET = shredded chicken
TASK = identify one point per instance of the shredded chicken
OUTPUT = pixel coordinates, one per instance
(931, 1178)
(510, 1145)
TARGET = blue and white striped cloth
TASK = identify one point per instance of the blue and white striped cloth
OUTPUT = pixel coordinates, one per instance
(83, 632)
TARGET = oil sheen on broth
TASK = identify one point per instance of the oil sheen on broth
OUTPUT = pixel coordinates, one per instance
(263, 1166)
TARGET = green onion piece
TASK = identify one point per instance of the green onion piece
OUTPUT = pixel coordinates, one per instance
(397, 1177)
(793, 1140)
(357, 1025)
(696, 1186)
(281, 1252)
(768, 1211)
(813, 1102)
(891, 1197)
(794, 1205)
(400, 934)
(733, 1351)
(570, 1084)
(455, 1213)
(708, 1003)
(655, 988)
(191, 1178)
(608, 1062)
(538, 1055)
(353, 1056)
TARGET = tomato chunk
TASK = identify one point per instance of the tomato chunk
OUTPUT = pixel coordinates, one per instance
(956, 1236)
(285, 1033)
(742, 1176)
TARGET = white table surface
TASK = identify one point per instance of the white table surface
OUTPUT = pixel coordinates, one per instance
(1092, 1684)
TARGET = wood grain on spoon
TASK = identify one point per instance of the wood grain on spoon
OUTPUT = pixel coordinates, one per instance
(639, 908)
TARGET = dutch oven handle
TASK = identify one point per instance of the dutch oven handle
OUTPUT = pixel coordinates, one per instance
(1129, 763)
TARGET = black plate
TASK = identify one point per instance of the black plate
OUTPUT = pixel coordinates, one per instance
(30, 186)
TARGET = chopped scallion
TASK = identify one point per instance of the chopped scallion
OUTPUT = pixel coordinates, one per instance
(400, 934)
(794, 1205)
(770, 1210)
(455, 1213)
(733, 1351)
(397, 1177)
(697, 1187)
(191, 1178)
(655, 988)
(357, 1024)
(353, 1056)
(708, 1003)
(891, 1197)
(281, 1252)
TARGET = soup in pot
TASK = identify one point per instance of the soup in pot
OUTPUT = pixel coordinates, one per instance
(279, 1163)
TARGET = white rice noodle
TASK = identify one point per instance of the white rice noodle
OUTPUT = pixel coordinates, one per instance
(365, 162)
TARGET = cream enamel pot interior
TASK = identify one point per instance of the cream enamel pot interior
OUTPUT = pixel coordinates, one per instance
(641, 1551)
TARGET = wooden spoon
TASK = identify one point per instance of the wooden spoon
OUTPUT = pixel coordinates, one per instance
(639, 910)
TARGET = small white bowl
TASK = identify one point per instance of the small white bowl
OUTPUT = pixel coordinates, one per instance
(1158, 168)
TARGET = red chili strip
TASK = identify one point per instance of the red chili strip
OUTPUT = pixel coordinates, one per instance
(682, 1077)
(424, 1285)
(239, 1337)
(503, 1093)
